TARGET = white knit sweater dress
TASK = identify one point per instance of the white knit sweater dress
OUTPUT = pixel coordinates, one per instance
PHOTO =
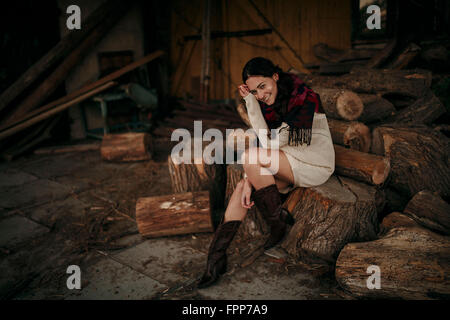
(311, 165)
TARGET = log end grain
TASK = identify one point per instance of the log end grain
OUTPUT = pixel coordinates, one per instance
(358, 137)
(126, 147)
(349, 105)
(381, 171)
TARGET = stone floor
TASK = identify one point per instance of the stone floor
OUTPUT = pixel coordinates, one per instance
(75, 209)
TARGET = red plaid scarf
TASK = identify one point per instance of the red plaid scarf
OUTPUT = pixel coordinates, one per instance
(302, 105)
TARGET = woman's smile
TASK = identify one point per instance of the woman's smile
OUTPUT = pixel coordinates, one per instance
(263, 88)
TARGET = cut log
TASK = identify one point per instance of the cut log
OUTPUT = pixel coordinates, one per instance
(361, 166)
(378, 59)
(408, 54)
(253, 224)
(126, 147)
(175, 214)
(413, 262)
(419, 158)
(340, 104)
(408, 83)
(424, 110)
(376, 108)
(328, 217)
(430, 211)
(330, 54)
(396, 220)
(194, 174)
(355, 135)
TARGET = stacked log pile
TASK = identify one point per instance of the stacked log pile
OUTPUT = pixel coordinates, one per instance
(387, 154)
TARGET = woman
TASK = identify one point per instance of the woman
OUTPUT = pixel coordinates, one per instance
(301, 153)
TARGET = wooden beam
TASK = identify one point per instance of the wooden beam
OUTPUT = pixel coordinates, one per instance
(49, 85)
(64, 47)
(86, 88)
(231, 34)
(19, 127)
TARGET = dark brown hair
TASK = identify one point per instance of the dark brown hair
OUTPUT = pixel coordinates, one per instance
(260, 66)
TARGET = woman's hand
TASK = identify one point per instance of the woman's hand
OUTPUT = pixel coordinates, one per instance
(243, 90)
(246, 193)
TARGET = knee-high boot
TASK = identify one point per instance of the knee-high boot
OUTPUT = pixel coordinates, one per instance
(268, 201)
(217, 257)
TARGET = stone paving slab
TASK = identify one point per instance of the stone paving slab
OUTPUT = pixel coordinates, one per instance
(164, 260)
(48, 213)
(258, 283)
(111, 280)
(13, 177)
(33, 193)
(50, 166)
(16, 229)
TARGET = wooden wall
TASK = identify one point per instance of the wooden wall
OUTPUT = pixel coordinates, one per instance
(302, 23)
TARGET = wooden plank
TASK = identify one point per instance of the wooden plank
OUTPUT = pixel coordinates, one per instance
(64, 47)
(88, 87)
(49, 85)
(23, 125)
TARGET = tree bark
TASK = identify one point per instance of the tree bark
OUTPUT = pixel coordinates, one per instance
(192, 176)
(414, 263)
(361, 166)
(430, 211)
(376, 108)
(175, 214)
(329, 216)
(405, 57)
(424, 110)
(355, 135)
(408, 83)
(126, 147)
(419, 158)
(340, 104)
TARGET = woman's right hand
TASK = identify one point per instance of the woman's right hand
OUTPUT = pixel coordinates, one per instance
(243, 90)
(246, 195)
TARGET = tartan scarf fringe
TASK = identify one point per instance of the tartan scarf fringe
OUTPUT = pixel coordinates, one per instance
(299, 136)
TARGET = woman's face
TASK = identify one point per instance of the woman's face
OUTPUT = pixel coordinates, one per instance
(263, 88)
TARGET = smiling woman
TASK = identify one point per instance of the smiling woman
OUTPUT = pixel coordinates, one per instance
(299, 153)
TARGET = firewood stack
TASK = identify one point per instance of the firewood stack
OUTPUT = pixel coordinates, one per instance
(388, 158)
(406, 158)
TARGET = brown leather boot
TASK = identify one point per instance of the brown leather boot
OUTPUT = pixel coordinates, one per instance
(217, 257)
(268, 202)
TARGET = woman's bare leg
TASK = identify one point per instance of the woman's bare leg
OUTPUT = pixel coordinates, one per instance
(264, 172)
(235, 210)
